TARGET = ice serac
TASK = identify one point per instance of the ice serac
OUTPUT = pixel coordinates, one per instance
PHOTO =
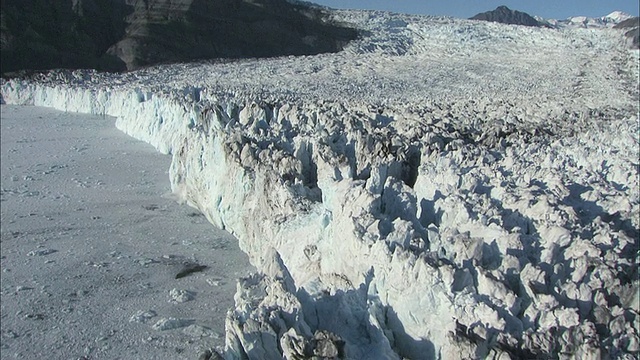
(445, 223)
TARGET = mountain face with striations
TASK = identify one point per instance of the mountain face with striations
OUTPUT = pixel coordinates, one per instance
(633, 22)
(116, 35)
(632, 28)
(504, 15)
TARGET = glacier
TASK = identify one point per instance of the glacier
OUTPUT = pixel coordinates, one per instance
(441, 189)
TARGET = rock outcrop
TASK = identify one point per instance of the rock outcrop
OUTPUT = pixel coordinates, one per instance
(43, 34)
(633, 32)
(633, 22)
(504, 15)
(129, 34)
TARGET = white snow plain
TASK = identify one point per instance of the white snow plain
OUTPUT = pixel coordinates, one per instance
(442, 188)
(91, 246)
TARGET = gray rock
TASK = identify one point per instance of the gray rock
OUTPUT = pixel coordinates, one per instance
(504, 15)
(633, 22)
(326, 344)
(124, 34)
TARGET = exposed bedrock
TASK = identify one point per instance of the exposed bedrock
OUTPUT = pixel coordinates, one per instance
(390, 233)
(116, 35)
(504, 15)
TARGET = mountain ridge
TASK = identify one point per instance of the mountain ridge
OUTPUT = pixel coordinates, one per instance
(504, 15)
(129, 34)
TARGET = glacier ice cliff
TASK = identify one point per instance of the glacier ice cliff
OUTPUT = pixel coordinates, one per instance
(439, 221)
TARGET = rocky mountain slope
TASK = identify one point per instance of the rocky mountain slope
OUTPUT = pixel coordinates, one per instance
(128, 34)
(504, 15)
(632, 28)
(633, 22)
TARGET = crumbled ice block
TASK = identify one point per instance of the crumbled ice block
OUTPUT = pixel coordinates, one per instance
(142, 316)
(180, 296)
(214, 282)
(200, 331)
(171, 323)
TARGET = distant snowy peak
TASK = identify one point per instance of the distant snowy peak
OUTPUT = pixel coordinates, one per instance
(607, 21)
(617, 17)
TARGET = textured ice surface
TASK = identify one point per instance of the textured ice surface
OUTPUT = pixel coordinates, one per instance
(441, 189)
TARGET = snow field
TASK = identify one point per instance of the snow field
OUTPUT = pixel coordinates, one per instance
(441, 189)
(92, 249)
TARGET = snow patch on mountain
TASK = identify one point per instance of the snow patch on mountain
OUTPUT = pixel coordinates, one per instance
(617, 16)
(430, 192)
(607, 21)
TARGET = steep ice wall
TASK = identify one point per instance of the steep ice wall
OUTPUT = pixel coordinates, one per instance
(266, 176)
(378, 236)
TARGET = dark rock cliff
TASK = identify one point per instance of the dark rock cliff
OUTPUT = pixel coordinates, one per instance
(633, 30)
(633, 22)
(44, 34)
(119, 35)
(504, 15)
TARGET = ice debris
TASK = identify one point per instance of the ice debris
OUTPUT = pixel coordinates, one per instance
(142, 316)
(171, 323)
(180, 296)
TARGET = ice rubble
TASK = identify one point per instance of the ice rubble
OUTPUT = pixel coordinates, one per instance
(432, 192)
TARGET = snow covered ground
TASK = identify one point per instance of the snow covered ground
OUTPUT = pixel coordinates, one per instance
(442, 188)
(91, 246)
